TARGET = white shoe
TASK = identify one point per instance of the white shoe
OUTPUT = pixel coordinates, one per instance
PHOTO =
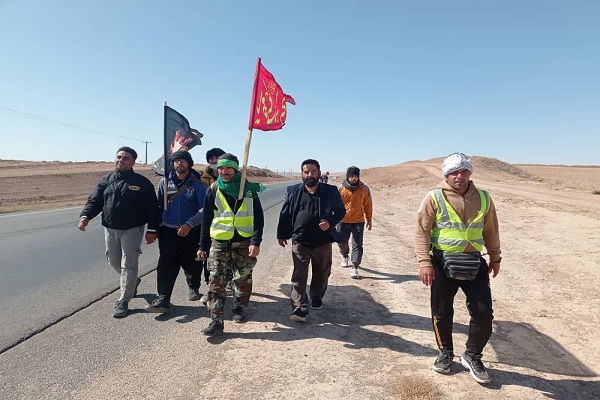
(204, 299)
(345, 262)
(354, 273)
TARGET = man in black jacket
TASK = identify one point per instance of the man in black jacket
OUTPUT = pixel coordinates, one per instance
(127, 202)
(232, 229)
(309, 214)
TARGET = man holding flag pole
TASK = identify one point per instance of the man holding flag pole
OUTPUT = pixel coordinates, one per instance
(181, 199)
(233, 219)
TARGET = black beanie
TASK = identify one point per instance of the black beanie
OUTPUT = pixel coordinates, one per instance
(352, 171)
(183, 155)
(214, 152)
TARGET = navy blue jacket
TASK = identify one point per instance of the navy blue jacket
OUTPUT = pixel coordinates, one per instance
(331, 209)
(186, 208)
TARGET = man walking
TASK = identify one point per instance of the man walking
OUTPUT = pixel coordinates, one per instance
(235, 227)
(209, 176)
(127, 202)
(359, 207)
(308, 216)
(179, 232)
(455, 221)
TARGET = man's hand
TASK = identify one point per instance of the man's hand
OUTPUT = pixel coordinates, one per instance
(151, 237)
(495, 267)
(282, 242)
(369, 225)
(183, 230)
(324, 225)
(427, 275)
(253, 251)
(201, 255)
(83, 222)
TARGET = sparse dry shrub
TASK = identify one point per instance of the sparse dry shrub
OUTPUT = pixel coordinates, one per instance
(414, 388)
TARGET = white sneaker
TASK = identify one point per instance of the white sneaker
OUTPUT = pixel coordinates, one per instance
(354, 273)
(345, 262)
(204, 299)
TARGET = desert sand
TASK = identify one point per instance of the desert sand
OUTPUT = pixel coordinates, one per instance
(377, 342)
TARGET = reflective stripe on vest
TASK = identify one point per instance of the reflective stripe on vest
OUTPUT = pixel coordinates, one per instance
(450, 233)
(226, 222)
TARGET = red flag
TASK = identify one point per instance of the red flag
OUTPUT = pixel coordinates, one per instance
(269, 108)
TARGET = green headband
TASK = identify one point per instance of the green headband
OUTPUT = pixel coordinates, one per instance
(228, 163)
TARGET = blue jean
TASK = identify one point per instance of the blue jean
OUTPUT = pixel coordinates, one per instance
(123, 249)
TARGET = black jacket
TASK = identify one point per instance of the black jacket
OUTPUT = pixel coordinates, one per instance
(209, 214)
(331, 209)
(125, 199)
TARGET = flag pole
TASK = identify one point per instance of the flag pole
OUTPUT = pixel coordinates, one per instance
(249, 137)
(165, 177)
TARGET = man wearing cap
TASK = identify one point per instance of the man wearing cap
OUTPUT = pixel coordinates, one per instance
(179, 232)
(232, 229)
(127, 202)
(454, 222)
(359, 207)
(209, 176)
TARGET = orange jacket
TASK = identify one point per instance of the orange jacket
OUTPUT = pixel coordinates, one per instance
(358, 203)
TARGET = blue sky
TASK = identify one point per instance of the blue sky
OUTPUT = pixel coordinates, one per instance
(376, 83)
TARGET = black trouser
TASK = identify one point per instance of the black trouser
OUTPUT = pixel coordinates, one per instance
(357, 231)
(176, 251)
(479, 304)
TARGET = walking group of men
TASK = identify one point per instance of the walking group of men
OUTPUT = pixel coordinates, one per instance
(210, 228)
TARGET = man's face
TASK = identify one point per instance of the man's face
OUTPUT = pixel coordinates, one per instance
(226, 173)
(459, 180)
(212, 161)
(353, 179)
(181, 166)
(124, 161)
(310, 175)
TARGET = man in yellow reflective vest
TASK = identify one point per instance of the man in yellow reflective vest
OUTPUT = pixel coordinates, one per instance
(455, 222)
(232, 229)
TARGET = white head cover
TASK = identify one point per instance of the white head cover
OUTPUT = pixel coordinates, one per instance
(455, 162)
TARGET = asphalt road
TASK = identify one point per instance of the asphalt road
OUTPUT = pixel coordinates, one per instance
(50, 270)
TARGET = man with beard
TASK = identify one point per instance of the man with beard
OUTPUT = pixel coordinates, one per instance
(127, 202)
(232, 229)
(179, 232)
(308, 216)
(454, 222)
(359, 207)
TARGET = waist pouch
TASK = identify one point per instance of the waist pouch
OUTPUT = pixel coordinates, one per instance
(461, 266)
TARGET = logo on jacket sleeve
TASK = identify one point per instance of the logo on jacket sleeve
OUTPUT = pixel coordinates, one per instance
(135, 188)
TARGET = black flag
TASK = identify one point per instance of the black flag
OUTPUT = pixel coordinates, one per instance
(178, 136)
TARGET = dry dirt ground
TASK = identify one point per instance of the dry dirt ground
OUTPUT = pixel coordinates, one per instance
(373, 338)
(28, 185)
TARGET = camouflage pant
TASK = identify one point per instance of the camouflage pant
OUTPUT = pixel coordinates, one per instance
(224, 257)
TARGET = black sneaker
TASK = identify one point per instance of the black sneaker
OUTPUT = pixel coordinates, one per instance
(214, 328)
(160, 305)
(238, 315)
(121, 308)
(137, 283)
(194, 294)
(443, 362)
(316, 304)
(298, 315)
(475, 366)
